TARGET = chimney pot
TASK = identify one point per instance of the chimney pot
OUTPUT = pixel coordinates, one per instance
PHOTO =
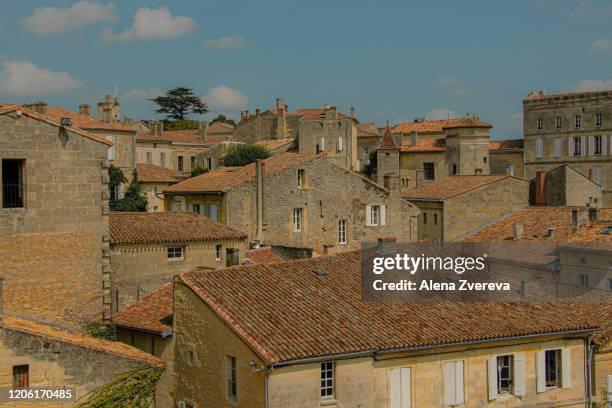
(387, 245)
(540, 193)
(85, 109)
(257, 111)
(353, 112)
(38, 107)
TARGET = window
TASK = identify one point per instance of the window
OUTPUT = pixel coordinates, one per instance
(342, 232)
(21, 376)
(213, 212)
(504, 374)
(175, 253)
(209, 163)
(610, 284)
(190, 357)
(557, 147)
(540, 126)
(424, 218)
(454, 169)
(232, 257)
(155, 208)
(453, 383)
(153, 192)
(578, 121)
(399, 387)
(552, 365)
(162, 159)
(428, 171)
(339, 143)
(180, 165)
(510, 170)
(232, 385)
(577, 143)
(218, 249)
(301, 178)
(110, 153)
(193, 163)
(321, 146)
(374, 214)
(484, 159)
(585, 280)
(149, 158)
(12, 183)
(597, 145)
(539, 148)
(297, 219)
(435, 219)
(558, 122)
(327, 380)
(598, 120)
(197, 208)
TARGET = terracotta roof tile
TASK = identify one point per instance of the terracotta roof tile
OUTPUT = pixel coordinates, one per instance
(104, 346)
(511, 144)
(191, 136)
(150, 173)
(387, 142)
(220, 128)
(152, 314)
(452, 186)
(84, 121)
(426, 126)
(367, 130)
(467, 122)
(229, 177)
(262, 256)
(166, 227)
(287, 312)
(316, 114)
(272, 144)
(426, 145)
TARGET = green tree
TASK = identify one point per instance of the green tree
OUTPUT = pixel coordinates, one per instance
(197, 171)
(185, 124)
(180, 102)
(134, 199)
(115, 179)
(224, 119)
(243, 154)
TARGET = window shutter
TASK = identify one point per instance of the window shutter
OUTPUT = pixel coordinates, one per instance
(540, 372)
(322, 144)
(492, 376)
(582, 145)
(566, 368)
(459, 382)
(609, 387)
(449, 384)
(399, 392)
(382, 215)
(604, 145)
(111, 149)
(597, 175)
(368, 215)
(539, 148)
(557, 147)
(190, 207)
(340, 144)
(405, 379)
(591, 145)
(570, 143)
(519, 375)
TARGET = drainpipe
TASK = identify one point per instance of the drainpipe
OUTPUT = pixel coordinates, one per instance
(259, 199)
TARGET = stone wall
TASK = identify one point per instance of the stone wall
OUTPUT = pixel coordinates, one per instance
(411, 168)
(564, 186)
(339, 138)
(502, 160)
(468, 149)
(54, 251)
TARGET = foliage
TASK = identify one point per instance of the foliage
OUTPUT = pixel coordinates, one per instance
(179, 102)
(224, 119)
(181, 124)
(135, 389)
(243, 154)
(115, 177)
(102, 331)
(134, 199)
(197, 171)
(371, 168)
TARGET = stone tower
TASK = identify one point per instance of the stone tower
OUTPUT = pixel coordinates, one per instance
(109, 110)
(387, 160)
(468, 147)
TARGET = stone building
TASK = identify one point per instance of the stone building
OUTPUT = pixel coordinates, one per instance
(308, 339)
(506, 157)
(314, 131)
(564, 186)
(154, 180)
(298, 200)
(368, 139)
(459, 205)
(54, 240)
(39, 355)
(148, 249)
(574, 129)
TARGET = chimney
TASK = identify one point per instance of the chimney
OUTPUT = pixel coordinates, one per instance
(85, 109)
(105, 109)
(203, 130)
(590, 176)
(157, 128)
(518, 231)
(327, 106)
(540, 188)
(38, 107)
(280, 104)
(353, 112)
(259, 198)
(1, 302)
(331, 112)
(386, 245)
(257, 111)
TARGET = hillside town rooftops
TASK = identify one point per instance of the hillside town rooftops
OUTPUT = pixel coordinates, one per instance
(272, 144)
(166, 227)
(506, 145)
(425, 146)
(86, 122)
(150, 173)
(452, 186)
(367, 130)
(387, 142)
(151, 314)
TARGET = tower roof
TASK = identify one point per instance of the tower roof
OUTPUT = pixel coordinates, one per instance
(387, 142)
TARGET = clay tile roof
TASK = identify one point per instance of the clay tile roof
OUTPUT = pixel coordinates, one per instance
(272, 144)
(387, 142)
(425, 145)
(537, 220)
(167, 227)
(452, 186)
(468, 122)
(599, 232)
(262, 256)
(316, 114)
(229, 177)
(79, 340)
(367, 130)
(152, 314)
(220, 127)
(286, 312)
(84, 121)
(425, 126)
(191, 136)
(511, 144)
(150, 173)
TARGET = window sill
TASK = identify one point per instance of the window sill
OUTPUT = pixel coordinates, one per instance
(329, 402)
(175, 260)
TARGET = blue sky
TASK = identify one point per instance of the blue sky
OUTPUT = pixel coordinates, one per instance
(392, 60)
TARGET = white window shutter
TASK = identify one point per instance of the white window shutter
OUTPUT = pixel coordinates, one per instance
(399, 388)
(406, 394)
(597, 175)
(449, 384)
(609, 387)
(340, 140)
(382, 215)
(322, 144)
(570, 144)
(492, 378)
(459, 382)
(582, 145)
(591, 145)
(540, 372)
(566, 368)
(604, 145)
(557, 147)
(111, 149)
(519, 375)
(368, 215)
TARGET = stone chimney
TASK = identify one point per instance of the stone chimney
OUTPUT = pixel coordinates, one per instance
(387, 245)
(105, 110)
(281, 123)
(157, 128)
(331, 112)
(203, 130)
(85, 109)
(1, 302)
(38, 107)
(517, 231)
(116, 110)
(353, 112)
(540, 188)
(257, 112)
(259, 198)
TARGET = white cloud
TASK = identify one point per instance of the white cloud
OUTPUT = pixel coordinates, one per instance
(601, 47)
(590, 85)
(22, 78)
(588, 9)
(453, 86)
(142, 93)
(150, 24)
(224, 43)
(440, 113)
(55, 20)
(223, 99)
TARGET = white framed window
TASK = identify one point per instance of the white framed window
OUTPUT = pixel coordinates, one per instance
(111, 152)
(175, 253)
(577, 145)
(598, 145)
(149, 158)
(557, 147)
(506, 375)
(327, 380)
(301, 179)
(218, 252)
(232, 379)
(297, 219)
(162, 159)
(540, 123)
(584, 280)
(375, 215)
(399, 388)
(453, 383)
(342, 232)
(578, 121)
(539, 148)
(180, 165)
(598, 120)
(558, 122)
(213, 212)
(553, 369)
